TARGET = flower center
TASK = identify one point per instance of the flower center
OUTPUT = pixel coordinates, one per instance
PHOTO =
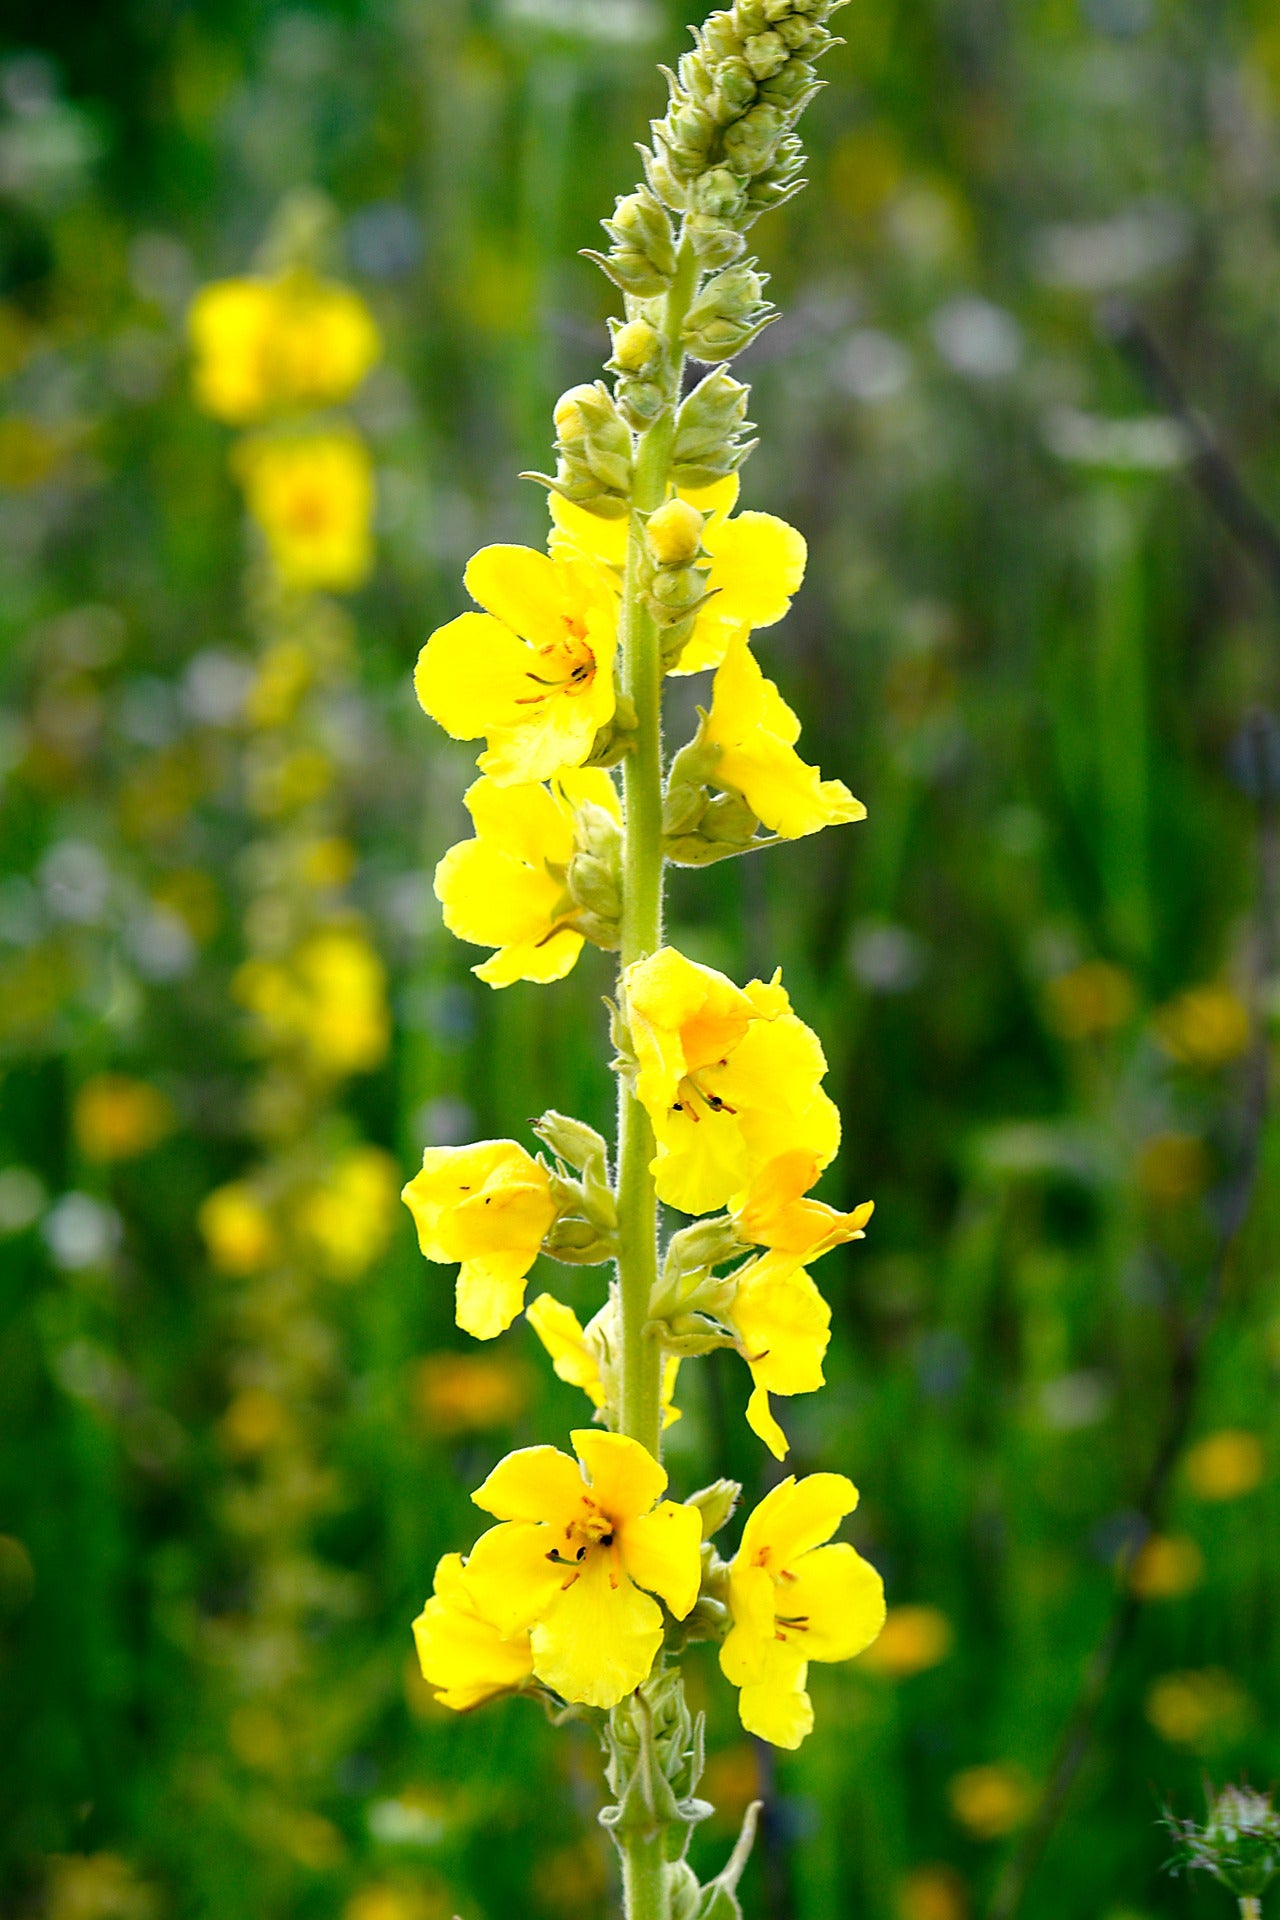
(563, 666)
(695, 1099)
(587, 1531)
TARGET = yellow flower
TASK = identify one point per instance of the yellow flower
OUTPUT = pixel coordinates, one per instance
(291, 341)
(460, 1651)
(1206, 1027)
(1090, 999)
(533, 673)
(932, 1893)
(1204, 1709)
(574, 1356)
(329, 998)
(756, 564)
(506, 887)
(487, 1206)
(794, 1599)
(1166, 1566)
(312, 496)
(775, 1211)
(1225, 1465)
(729, 1078)
(469, 1392)
(756, 733)
(116, 1117)
(913, 1640)
(783, 1326)
(572, 1556)
(237, 1229)
(990, 1801)
(348, 1218)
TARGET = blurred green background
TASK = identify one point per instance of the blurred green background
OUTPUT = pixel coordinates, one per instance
(1027, 645)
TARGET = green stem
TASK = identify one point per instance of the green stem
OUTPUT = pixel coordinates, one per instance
(641, 1370)
(644, 1878)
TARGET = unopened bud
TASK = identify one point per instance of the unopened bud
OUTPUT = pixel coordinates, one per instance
(572, 1141)
(578, 1243)
(716, 243)
(765, 53)
(727, 315)
(636, 345)
(716, 1504)
(750, 143)
(673, 534)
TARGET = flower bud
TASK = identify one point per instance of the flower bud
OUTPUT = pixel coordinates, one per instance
(716, 243)
(716, 1504)
(572, 1141)
(578, 1243)
(709, 427)
(735, 89)
(719, 194)
(673, 533)
(750, 143)
(765, 53)
(636, 345)
(727, 315)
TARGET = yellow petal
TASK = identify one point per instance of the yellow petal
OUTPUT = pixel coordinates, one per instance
(541, 961)
(534, 1483)
(757, 564)
(449, 1175)
(755, 731)
(579, 535)
(701, 1159)
(842, 1598)
(795, 1516)
(744, 1654)
(683, 1015)
(508, 1576)
(525, 822)
(716, 501)
(493, 900)
(595, 784)
(558, 1328)
(462, 1653)
(778, 1712)
(489, 1293)
(785, 1326)
(522, 588)
(760, 1419)
(660, 1550)
(625, 1478)
(557, 735)
(471, 676)
(596, 1641)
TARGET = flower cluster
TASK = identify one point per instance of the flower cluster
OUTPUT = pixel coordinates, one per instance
(593, 1580)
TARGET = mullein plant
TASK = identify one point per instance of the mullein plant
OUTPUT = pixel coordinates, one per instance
(591, 1581)
(276, 353)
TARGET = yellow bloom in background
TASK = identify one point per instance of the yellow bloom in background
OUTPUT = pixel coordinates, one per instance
(328, 998)
(291, 341)
(487, 1206)
(573, 1356)
(755, 564)
(115, 1117)
(97, 1886)
(1173, 1168)
(506, 887)
(1166, 1566)
(254, 1421)
(934, 1892)
(784, 1326)
(794, 1599)
(312, 496)
(1204, 1709)
(756, 732)
(578, 1554)
(1093, 998)
(348, 1219)
(990, 1802)
(912, 1640)
(1206, 1027)
(238, 1230)
(460, 1651)
(729, 1077)
(469, 1392)
(533, 673)
(1224, 1465)
(775, 1211)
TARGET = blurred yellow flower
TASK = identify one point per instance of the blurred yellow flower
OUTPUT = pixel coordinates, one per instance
(573, 1555)
(460, 1650)
(572, 1879)
(254, 1421)
(281, 677)
(913, 1639)
(266, 344)
(115, 1117)
(390, 1900)
(793, 1599)
(732, 1781)
(1091, 999)
(533, 673)
(312, 496)
(784, 1327)
(29, 453)
(1173, 1168)
(327, 862)
(328, 997)
(1166, 1566)
(1202, 1709)
(193, 895)
(487, 1206)
(730, 1078)
(1206, 1027)
(96, 1886)
(347, 1218)
(1224, 1465)
(756, 732)
(990, 1802)
(506, 888)
(238, 1231)
(257, 1738)
(468, 1392)
(934, 1892)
